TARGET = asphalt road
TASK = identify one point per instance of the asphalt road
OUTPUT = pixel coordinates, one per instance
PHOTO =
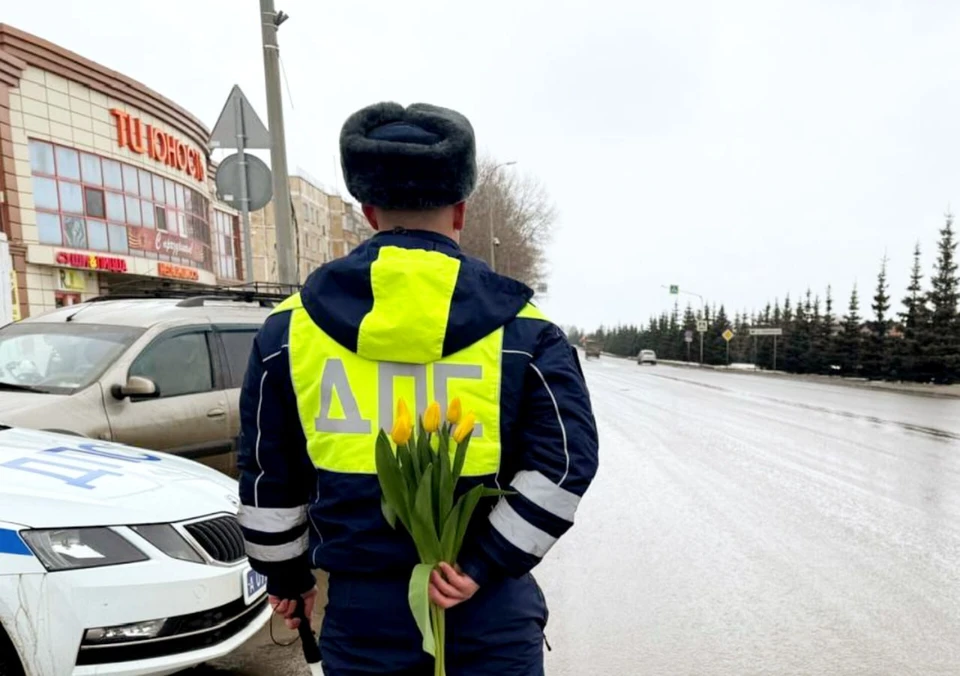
(745, 525)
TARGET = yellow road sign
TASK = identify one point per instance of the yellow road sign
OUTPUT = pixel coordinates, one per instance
(728, 335)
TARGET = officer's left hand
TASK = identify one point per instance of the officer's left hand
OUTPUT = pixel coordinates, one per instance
(450, 587)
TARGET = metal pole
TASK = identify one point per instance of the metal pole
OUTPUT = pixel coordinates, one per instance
(703, 317)
(774, 353)
(269, 22)
(493, 241)
(244, 196)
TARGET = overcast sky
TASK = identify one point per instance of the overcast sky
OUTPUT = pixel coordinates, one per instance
(738, 149)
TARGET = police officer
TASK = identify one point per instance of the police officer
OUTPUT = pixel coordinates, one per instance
(408, 314)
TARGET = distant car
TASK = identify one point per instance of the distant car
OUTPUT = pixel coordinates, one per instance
(647, 357)
(118, 561)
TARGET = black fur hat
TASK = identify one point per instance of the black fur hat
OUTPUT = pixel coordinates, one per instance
(419, 157)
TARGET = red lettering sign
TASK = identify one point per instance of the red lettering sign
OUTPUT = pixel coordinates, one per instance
(160, 241)
(142, 138)
(177, 272)
(91, 261)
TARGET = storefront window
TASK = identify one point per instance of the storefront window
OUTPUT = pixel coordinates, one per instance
(90, 165)
(131, 183)
(75, 231)
(45, 194)
(98, 235)
(93, 199)
(68, 163)
(112, 175)
(41, 158)
(115, 210)
(48, 227)
(88, 202)
(71, 197)
(118, 238)
(227, 234)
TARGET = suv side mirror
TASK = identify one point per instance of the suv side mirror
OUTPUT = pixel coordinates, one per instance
(136, 386)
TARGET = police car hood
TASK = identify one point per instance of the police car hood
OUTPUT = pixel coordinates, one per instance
(51, 480)
(410, 296)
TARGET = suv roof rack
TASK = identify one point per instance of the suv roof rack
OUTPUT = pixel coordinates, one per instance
(263, 293)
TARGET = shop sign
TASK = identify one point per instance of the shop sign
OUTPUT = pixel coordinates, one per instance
(145, 139)
(177, 272)
(166, 243)
(71, 280)
(91, 261)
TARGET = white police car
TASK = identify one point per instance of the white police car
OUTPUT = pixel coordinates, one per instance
(117, 561)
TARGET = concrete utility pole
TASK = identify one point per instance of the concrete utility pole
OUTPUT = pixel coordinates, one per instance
(493, 239)
(270, 21)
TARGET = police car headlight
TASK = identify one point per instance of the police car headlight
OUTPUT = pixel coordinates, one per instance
(74, 548)
(166, 538)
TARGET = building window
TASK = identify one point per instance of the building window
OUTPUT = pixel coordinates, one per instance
(63, 299)
(229, 245)
(89, 202)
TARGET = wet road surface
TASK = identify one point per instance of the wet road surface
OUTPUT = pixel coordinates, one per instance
(750, 525)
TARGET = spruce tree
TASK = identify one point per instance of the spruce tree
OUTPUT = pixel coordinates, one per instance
(943, 336)
(851, 339)
(826, 336)
(816, 356)
(875, 354)
(797, 340)
(910, 354)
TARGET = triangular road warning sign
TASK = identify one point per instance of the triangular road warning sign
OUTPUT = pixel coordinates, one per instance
(224, 134)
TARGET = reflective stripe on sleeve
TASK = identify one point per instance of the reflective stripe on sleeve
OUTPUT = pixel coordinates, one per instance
(520, 533)
(272, 519)
(546, 495)
(278, 553)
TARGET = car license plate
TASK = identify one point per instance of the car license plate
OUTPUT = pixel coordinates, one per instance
(254, 585)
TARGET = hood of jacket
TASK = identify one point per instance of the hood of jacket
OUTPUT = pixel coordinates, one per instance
(410, 296)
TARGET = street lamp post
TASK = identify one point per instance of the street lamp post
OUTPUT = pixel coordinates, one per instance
(493, 239)
(703, 316)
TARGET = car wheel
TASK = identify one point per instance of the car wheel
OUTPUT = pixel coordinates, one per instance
(9, 660)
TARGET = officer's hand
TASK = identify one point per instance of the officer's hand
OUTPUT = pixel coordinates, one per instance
(286, 607)
(450, 587)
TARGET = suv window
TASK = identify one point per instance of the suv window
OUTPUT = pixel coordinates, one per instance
(179, 364)
(237, 343)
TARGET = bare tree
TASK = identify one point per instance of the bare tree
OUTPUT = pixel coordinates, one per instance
(522, 218)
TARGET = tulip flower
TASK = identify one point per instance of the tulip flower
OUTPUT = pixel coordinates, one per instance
(431, 418)
(402, 430)
(465, 427)
(402, 410)
(419, 485)
(454, 411)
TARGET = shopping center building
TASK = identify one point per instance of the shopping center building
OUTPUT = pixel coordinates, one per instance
(103, 182)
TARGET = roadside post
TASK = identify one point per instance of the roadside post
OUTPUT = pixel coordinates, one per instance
(243, 180)
(728, 336)
(701, 324)
(768, 332)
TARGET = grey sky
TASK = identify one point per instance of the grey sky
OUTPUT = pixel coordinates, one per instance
(739, 149)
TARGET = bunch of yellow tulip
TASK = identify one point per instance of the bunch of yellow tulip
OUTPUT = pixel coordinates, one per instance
(419, 482)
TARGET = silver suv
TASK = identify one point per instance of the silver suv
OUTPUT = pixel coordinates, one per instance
(161, 372)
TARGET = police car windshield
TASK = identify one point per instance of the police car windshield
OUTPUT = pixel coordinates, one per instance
(58, 358)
